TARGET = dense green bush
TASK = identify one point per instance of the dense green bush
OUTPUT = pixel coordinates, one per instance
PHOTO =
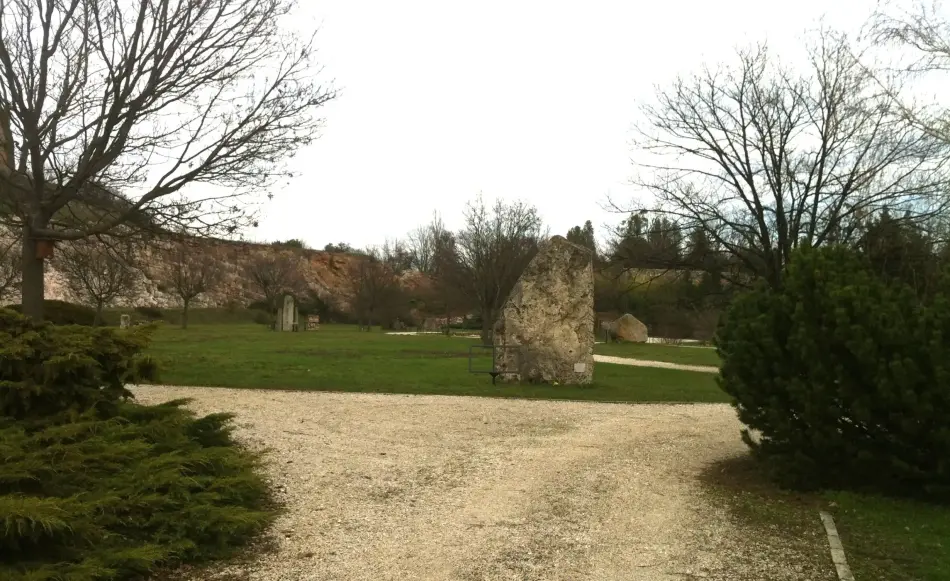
(150, 313)
(260, 306)
(63, 313)
(47, 369)
(93, 487)
(842, 378)
(95, 498)
(262, 318)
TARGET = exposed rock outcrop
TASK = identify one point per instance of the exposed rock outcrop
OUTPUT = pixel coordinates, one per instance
(329, 275)
(545, 330)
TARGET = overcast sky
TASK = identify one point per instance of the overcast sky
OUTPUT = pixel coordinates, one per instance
(529, 100)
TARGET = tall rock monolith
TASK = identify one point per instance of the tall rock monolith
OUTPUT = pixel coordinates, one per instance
(545, 331)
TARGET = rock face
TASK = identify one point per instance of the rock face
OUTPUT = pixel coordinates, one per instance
(545, 331)
(627, 328)
(328, 275)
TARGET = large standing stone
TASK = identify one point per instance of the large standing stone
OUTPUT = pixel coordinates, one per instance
(287, 315)
(628, 328)
(545, 330)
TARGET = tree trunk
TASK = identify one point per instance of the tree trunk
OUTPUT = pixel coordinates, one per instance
(97, 320)
(184, 313)
(33, 284)
(488, 323)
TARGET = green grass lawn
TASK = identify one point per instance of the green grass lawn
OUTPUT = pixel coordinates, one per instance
(884, 538)
(659, 352)
(898, 540)
(339, 358)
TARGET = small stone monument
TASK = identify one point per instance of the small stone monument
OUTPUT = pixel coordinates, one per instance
(287, 315)
(313, 322)
(545, 331)
(125, 321)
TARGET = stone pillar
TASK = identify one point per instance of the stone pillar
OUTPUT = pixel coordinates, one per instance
(289, 314)
(545, 331)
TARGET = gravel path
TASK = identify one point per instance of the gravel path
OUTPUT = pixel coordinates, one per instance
(646, 363)
(389, 487)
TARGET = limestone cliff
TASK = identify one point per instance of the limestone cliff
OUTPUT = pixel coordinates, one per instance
(327, 274)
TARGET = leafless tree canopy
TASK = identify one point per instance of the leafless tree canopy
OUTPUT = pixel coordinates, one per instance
(764, 159)
(493, 250)
(424, 244)
(375, 285)
(922, 38)
(110, 108)
(275, 274)
(191, 272)
(395, 254)
(435, 253)
(98, 272)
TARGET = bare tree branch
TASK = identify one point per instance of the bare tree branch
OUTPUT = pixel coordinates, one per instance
(98, 272)
(190, 271)
(274, 275)
(493, 250)
(113, 111)
(764, 160)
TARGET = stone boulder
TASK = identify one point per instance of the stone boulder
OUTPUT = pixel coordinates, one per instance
(627, 328)
(545, 331)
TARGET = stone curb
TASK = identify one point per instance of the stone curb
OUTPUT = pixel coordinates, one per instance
(837, 549)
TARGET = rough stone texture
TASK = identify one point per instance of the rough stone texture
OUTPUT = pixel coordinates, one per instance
(328, 275)
(545, 331)
(627, 328)
(287, 315)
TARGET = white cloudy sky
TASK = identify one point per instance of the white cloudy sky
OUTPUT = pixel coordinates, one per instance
(520, 99)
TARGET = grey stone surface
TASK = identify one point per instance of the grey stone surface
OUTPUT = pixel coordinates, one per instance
(287, 315)
(125, 321)
(626, 328)
(545, 331)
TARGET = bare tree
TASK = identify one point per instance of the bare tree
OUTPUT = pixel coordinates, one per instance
(190, 272)
(9, 267)
(375, 286)
(764, 160)
(98, 272)
(275, 274)
(396, 255)
(922, 39)
(493, 250)
(424, 244)
(435, 254)
(109, 109)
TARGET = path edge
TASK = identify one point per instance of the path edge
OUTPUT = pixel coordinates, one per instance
(837, 549)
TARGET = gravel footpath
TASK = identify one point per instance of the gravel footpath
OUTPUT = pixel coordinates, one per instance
(647, 363)
(390, 487)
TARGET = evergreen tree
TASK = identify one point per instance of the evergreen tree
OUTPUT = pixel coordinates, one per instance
(842, 375)
(583, 236)
(900, 250)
